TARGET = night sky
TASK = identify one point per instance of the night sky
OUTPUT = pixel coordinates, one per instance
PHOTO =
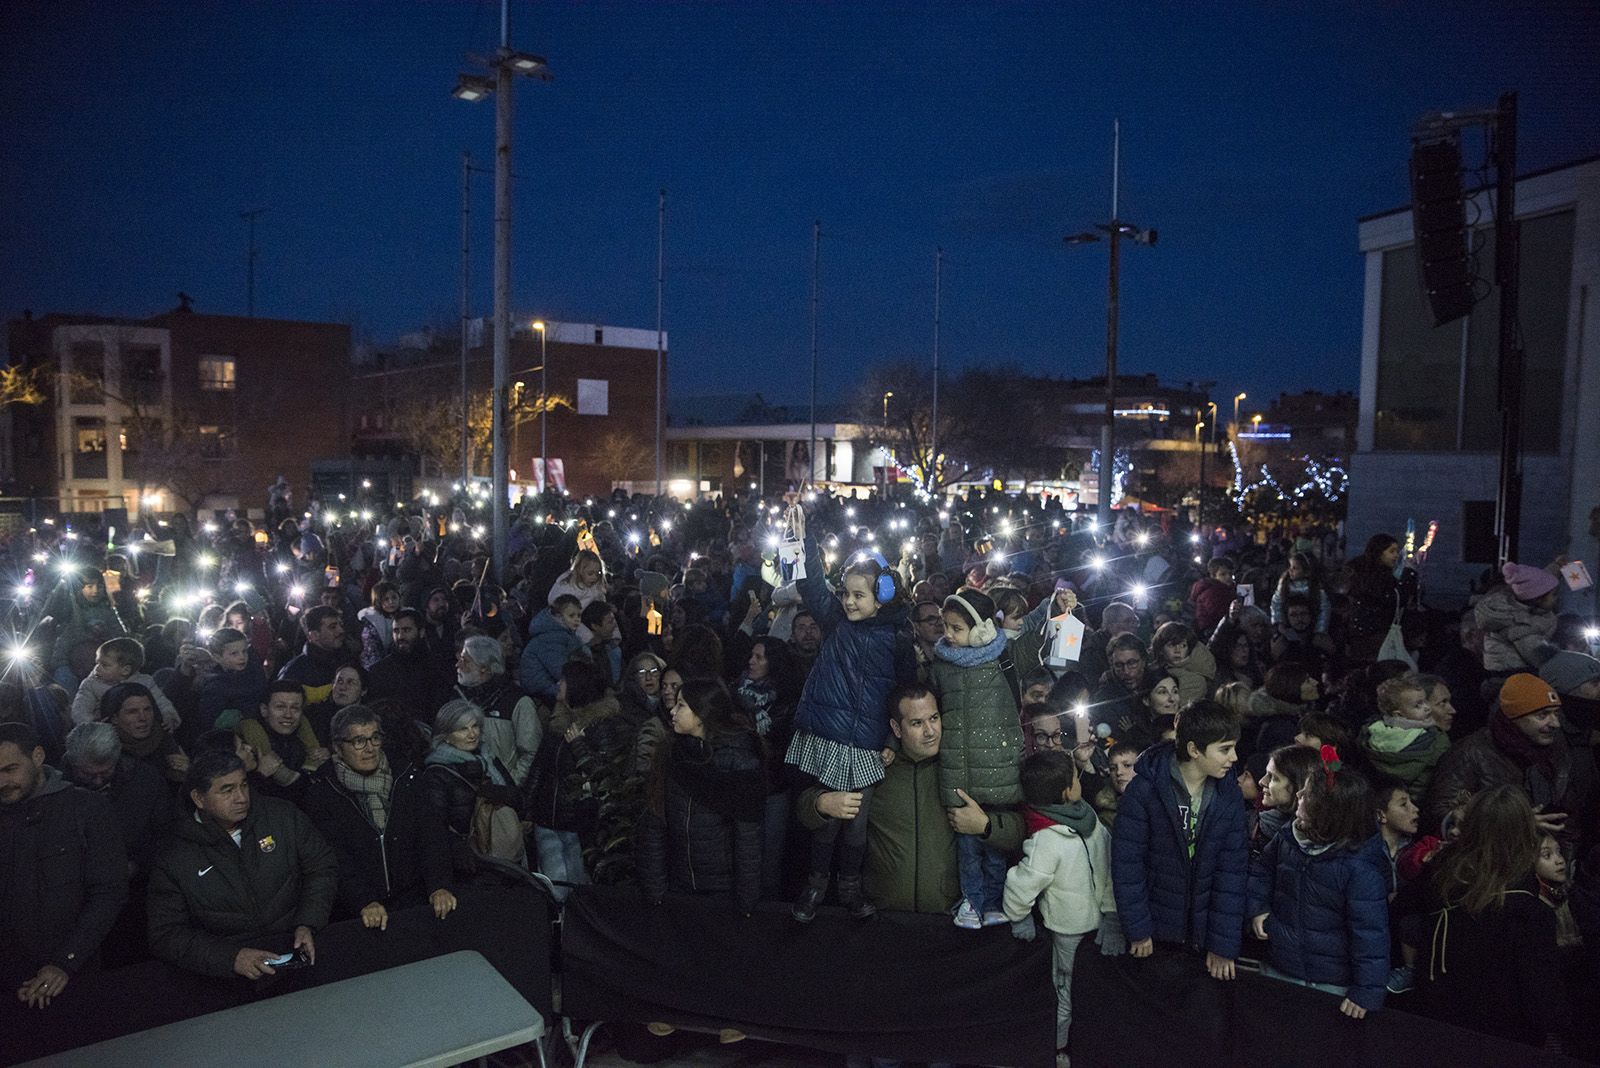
(134, 134)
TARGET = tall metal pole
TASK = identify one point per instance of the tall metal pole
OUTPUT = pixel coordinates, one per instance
(816, 246)
(661, 281)
(250, 262)
(1507, 257)
(933, 433)
(502, 292)
(544, 407)
(1108, 435)
(466, 311)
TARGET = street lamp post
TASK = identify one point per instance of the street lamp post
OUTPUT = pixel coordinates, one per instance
(887, 394)
(471, 87)
(544, 406)
(1115, 230)
(1236, 400)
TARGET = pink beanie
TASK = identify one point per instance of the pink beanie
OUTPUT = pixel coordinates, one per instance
(1528, 583)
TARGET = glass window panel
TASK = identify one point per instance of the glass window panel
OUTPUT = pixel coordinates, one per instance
(1419, 365)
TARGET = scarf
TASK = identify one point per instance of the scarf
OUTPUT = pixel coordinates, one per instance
(967, 656)
(1315, 849)
(1399, 722)
(148, 746)
(371, 790)
(759, 696)
(733, 794)
(445, 753)
(1079, 816)
(1509, 740)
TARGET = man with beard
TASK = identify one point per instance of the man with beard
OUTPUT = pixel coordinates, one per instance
(407, 675)
(512, 729)
(324, 654)
(63, 875)
(1523, 746)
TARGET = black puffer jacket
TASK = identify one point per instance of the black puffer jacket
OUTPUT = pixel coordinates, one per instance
(703, 836)
(63, 875)
(209, 898)
(400, 865)
(452, 792)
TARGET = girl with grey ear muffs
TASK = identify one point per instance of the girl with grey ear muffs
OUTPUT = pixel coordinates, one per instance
(981, 752)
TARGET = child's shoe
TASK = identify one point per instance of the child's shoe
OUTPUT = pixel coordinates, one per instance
(967, 916)
(805, 910)
(1402, 980)
(853, 900)
(994, 919)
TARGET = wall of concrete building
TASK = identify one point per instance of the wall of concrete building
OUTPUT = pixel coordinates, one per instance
(1561, 488)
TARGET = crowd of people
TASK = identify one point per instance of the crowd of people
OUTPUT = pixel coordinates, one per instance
(1149, 739)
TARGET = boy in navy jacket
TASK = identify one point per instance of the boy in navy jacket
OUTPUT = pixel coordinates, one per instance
(1179, 853)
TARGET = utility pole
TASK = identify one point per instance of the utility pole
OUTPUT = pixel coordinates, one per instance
(816, 246)
(661, 282)
(250, 262)
(1115, 230)
(933, 432)
(1507, 276)
(502, 292)
(466, 312)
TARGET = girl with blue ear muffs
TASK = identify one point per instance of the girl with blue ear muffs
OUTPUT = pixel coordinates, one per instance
(842, 720)
(980, 755)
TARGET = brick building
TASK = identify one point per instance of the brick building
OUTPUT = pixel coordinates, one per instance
(178, 411)
(600, 436)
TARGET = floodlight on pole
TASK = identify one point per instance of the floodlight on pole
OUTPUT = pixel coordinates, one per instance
(1236, 401)
(1115, 231)
(472, 87)
(505, 65)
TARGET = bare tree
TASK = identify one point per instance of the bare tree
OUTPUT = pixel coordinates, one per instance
(432, 425)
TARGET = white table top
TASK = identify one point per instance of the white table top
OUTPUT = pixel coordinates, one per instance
(431, 1013)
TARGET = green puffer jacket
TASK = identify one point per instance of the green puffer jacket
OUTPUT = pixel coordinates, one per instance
(982, 748)
(1408, 753)
(210, 898)
(911, 850)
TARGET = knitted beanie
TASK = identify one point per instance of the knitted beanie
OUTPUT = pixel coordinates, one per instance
(1525, 694)
(1528, 583)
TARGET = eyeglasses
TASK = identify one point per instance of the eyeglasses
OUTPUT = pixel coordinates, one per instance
(928, 619)
(366, 741)
(642, 672)
(1052, 739)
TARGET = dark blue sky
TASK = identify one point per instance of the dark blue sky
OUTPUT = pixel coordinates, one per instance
(1253, 137)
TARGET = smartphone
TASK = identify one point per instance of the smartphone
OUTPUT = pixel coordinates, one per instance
(288, 962)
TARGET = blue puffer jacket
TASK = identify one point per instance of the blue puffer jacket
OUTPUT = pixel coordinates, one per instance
(1327, 913)
(550, 646)
(845, 699)
(1161, 892)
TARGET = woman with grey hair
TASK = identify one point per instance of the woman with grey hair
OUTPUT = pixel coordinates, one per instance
(93, 745)
(512, 729)
(471, 790)
(140, 802)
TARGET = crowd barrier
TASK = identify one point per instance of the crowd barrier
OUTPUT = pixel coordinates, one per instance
(918, 988)
(509, 926)
(903, 986)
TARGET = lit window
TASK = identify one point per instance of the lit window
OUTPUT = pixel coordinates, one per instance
(216, 373)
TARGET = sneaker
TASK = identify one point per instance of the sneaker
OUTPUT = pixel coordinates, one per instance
(967, 916)
(994, 919)
(1402, 980)
(660, 1030)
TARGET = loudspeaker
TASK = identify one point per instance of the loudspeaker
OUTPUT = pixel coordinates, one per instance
(1439, 224)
